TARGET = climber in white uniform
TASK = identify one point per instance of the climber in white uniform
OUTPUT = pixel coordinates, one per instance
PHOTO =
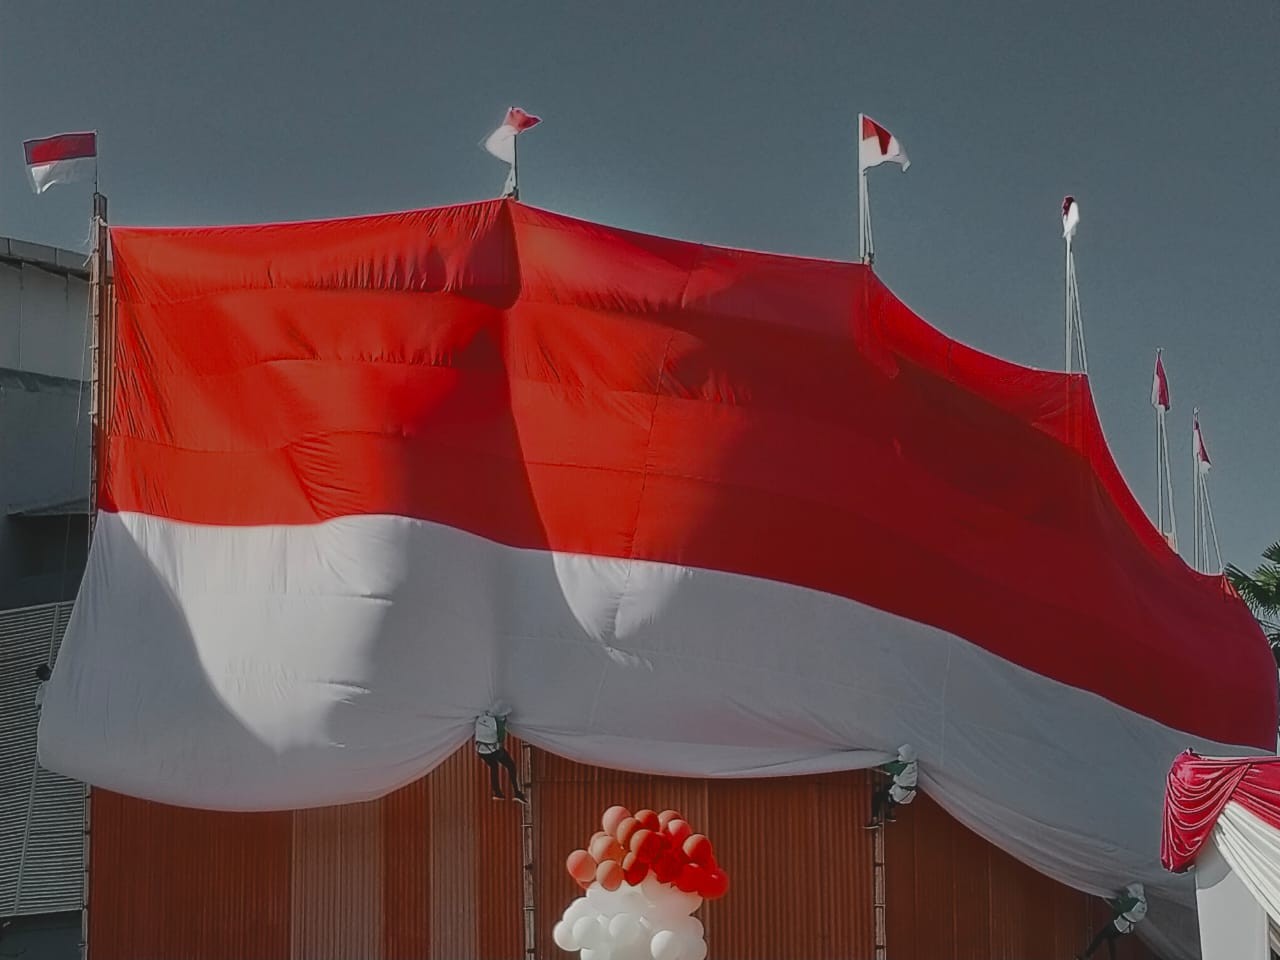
(1127, 912)
(490, 737)
(899, 791)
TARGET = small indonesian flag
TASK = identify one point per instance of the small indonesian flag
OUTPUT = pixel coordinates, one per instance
(62, 159)
(502, 142)
(1202, 455)
(1070, 217)
(877, 145)
(1160, 384)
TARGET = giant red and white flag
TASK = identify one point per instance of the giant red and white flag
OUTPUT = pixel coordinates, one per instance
(876, 145)
(502, 142)
(669, 502)
(64, 158)
(1160, 384)
(1202, 453)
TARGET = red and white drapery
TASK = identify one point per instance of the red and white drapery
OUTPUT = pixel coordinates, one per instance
(1233, 805)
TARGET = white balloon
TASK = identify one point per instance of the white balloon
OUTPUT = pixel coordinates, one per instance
(666, 945)
(652, 889)
(625, 929)
(635, 951)
(603, 952)
(690, 927)
(697, 950)
(562, 934)
(597, 894)
(588, 932)
(578, 909)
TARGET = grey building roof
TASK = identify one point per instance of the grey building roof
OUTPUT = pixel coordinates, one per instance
(54, 259)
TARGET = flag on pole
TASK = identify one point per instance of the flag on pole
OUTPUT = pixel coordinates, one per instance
(502, 142)
(877, 145)
(1160, 384)
(1070, 217)
(1202, 455)
(64, 158)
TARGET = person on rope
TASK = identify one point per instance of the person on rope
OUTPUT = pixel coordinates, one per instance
(490, 737)
(1127, 911)
(904, 773)
(42, 674)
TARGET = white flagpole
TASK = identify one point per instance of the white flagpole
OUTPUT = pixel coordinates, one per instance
(1211, 527)
(1168, 478)
(866, 252)
(515, 167)
(1070, 323)
(1196, 493)
(1159, 469)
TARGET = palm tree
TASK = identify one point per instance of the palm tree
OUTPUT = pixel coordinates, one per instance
(1261, 591)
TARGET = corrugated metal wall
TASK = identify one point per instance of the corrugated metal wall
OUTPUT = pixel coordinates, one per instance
(433, 872)
(953, 896)
(38, 808)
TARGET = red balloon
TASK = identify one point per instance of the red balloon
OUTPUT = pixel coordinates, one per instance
(667, 868)
(679, 831)
(612, 817)
(581, 866)
(714, 885)
(633, 871)
(626, 830)
(666, 816)
(691, 878)
(698, 849)
(648, 819)
(645, 845)
(609, 875)
(604, 847)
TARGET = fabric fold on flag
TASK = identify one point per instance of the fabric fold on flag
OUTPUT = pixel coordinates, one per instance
(877, 145)
(502, 142)
(1160, 384)
(1070, 217)
(64, 158)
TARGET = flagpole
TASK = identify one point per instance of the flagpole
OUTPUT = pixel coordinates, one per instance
(515, 168)
(1168, 477)
(1195, 489)
(866, 246)
(1069, 344)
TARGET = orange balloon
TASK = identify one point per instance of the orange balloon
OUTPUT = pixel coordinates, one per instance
(612, 817)
(645, 845)
(626, 830)
(679, 831)
(648, 819)
(666, 816)
(609, 875)
(698, 849)
(604, 847)
(581, 866)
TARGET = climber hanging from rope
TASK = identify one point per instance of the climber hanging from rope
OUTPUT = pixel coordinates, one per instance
(490, 737)
(904, 773)
(1127, 912)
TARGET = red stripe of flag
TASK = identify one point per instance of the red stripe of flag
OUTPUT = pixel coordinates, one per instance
(64, 146)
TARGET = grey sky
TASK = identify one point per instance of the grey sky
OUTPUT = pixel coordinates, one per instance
(733, 123)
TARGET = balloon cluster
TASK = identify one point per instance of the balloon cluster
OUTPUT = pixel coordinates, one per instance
(644, 876)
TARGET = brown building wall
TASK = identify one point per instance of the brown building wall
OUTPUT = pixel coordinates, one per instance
(433, 872)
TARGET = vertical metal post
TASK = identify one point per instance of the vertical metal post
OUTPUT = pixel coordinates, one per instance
(527, 849)
(99, 312)
(879, 895)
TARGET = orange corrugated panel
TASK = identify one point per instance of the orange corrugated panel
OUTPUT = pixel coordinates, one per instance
(798, 860)
(406, 864)
(337, 892)
(953, 896)
(800, 866)
(170, 882)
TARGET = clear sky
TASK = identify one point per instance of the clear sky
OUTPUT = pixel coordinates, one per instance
(733, 123)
